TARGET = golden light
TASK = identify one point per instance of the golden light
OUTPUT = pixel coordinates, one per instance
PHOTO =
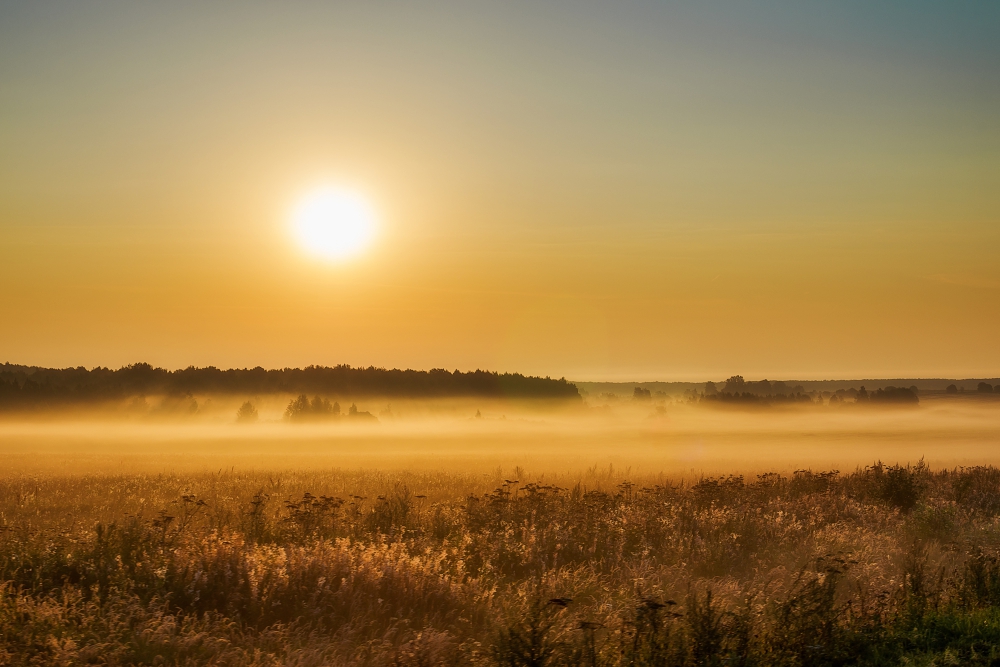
(334, 223)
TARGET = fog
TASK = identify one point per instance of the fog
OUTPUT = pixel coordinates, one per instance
(674, 438)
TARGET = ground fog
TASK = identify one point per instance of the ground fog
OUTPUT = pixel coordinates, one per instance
(503, 534)
(677, 439)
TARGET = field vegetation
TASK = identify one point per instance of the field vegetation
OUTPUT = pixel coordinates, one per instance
(885, 565)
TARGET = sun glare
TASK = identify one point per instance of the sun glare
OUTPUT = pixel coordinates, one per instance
(334, 224)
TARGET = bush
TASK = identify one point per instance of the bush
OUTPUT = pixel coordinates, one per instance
(898, 486)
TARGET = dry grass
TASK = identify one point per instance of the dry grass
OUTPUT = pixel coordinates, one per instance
(882, 566)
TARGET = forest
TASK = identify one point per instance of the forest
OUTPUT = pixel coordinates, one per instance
(31, 387)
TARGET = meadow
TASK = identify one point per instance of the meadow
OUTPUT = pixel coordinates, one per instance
(526, 536)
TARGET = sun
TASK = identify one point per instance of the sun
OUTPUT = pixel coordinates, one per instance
(333, 223)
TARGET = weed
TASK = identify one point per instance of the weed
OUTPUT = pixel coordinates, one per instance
(355, 568)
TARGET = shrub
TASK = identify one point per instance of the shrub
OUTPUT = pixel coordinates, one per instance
(898, 486)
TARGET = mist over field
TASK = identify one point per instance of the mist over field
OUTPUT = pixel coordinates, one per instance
(675, 436)
(624, 527)
(365, 516)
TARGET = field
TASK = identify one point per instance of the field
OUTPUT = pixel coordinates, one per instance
(527, 536)
(499, 334)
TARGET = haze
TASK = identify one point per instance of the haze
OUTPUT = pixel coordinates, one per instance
(557, 333)
(679, 441)
(640, 191)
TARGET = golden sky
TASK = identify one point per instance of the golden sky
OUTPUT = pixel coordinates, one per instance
(631, 191)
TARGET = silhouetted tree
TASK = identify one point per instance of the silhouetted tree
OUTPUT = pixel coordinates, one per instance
(984, 388)
(951, 389)
(735, 384)
(321, 406)
(298, 408)
(301, 409)
(892, 394)
(640, 394)
(247, 414)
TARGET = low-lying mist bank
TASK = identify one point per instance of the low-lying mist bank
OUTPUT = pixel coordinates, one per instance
(677, 438)
(141, 389)
(929, 386)
(637, 402)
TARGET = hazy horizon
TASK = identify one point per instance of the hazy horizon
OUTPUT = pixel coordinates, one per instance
(624, 378)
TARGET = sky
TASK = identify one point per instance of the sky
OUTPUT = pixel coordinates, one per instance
(601, 191)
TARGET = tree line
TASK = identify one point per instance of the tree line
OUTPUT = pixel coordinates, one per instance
(35, 386)
(739, 390)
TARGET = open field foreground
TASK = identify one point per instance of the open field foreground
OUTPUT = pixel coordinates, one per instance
(685, 536)
(883, 566)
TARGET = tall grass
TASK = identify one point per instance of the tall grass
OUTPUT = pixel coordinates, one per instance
(886, 565)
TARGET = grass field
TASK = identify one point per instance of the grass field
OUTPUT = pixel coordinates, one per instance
(139, 548)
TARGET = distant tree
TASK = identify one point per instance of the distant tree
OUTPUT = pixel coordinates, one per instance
(892, 394)
(301, 409)
(640, 394)
(735, 384)
(710, 388)
(247, 414)
(298, 408)
(321, 406)
(862, 395)
(984, 388)
(951, 389)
